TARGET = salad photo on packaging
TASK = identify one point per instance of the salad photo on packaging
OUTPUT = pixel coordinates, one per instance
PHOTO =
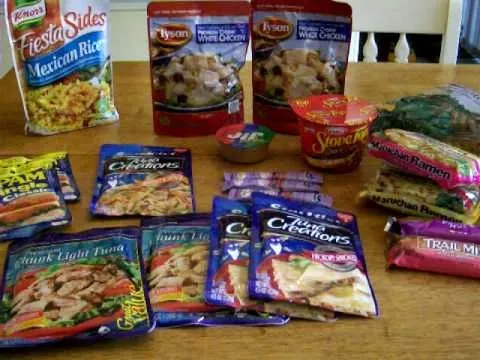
(87, 285)
(308, 254)
(143, 180)
(300, 48)
(197, 49)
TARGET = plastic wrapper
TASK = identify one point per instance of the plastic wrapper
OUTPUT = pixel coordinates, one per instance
(238, 178)
(308, 254)
(421, 155)
(143, 180)
(175, 249)
(281, 185)
(434, 246)
(316, 197)
(227, 279)
(412, 195)
(85, 286)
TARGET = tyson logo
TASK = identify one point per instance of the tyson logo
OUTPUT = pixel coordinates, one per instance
(274, 28)
(174, 34)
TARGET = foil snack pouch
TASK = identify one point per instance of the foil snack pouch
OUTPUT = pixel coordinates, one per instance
(62, 62)
(300, 48)
(196, 52)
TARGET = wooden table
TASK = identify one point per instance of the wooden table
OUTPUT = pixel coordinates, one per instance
(423, 316)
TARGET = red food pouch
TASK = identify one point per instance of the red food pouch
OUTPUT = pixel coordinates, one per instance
(196, 52)
(300, 48)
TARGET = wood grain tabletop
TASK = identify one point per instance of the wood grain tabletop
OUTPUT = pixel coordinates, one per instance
(423, 316)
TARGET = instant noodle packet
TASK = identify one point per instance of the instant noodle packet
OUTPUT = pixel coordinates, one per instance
(421, 155)
(300, 48)
(246, 194)
(227, 280)
(30, 201)
(413, 195)
(308, 254)
(143, 180)
(175, 249)
(197, 49)
(62, 62)
(88, 285)
(239, 179)
(434, 246)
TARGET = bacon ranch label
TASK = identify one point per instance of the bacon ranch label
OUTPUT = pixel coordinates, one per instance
(174, 34)
(28, 13)
(274, 28)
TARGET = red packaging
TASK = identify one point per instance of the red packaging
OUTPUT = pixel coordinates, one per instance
(300, 48)
(196, 52)
(334, 130)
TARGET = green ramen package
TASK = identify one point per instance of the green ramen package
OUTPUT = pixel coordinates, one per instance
(143, 180)
(197, 49)
(85, 286)
(308, 254)
(300, 48)
(62, 62)
(413, 195)
(449, 113)
(227, 279)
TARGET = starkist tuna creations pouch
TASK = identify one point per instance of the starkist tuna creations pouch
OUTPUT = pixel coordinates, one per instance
(227, 280)
(197, 49)
(308, 254)
(300, 48)
(143, 180)
(87, 285)
(175, 249)
(30, 201)
(62, 62)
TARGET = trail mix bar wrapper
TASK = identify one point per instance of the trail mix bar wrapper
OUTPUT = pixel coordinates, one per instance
(227, 279)
(305, 176)
(175, 249)
(434, 246)
(82, 286)
(308, 254)
(316, 197)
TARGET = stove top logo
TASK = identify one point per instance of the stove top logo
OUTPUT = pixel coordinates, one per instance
(28, 14)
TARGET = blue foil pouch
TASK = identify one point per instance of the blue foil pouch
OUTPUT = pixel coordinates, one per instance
(308, 254)
(175, 249)
(82, 286)
(30, 201)
(143, 180)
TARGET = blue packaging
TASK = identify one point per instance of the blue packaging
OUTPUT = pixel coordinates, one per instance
(308, 254)
(143, 180)
(175, 249)
(81, 286)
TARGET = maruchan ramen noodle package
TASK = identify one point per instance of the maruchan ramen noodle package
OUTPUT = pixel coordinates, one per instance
(300, 48)
(175, 250)
(63, 66)
(308, 254)
(30, 201)
(424, 156)
(434, 246)
(85, 286)
(413, 195)
(143, 180)
(197, 49)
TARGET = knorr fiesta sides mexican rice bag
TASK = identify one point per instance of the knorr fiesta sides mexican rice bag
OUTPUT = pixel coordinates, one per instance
(61, 57)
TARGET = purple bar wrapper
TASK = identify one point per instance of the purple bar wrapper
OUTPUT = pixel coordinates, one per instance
(282, 185)
(304, 176)
(442, 229)
(313, 197)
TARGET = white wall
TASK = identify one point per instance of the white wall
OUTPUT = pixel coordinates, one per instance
(5, 55)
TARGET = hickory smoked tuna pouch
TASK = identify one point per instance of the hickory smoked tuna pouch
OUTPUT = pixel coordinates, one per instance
(88, 285)
(300, 48)
(62, 61)
(197, 49)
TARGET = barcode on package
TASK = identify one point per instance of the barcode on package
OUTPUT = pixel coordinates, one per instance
(234, 106)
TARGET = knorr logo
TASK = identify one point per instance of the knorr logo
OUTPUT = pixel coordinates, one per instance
(174, 34)
(28, 13)
(274, 28)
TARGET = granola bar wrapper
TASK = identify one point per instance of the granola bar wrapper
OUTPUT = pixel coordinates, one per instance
(423, 156)
(238, 178)
(62, 62)
(227, 278)
(308, 254)
(316, 197)
(281, 185)
(434, 246)
(176, 251)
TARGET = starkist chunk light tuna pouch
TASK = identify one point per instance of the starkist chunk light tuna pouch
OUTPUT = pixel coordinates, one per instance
(60, 48)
